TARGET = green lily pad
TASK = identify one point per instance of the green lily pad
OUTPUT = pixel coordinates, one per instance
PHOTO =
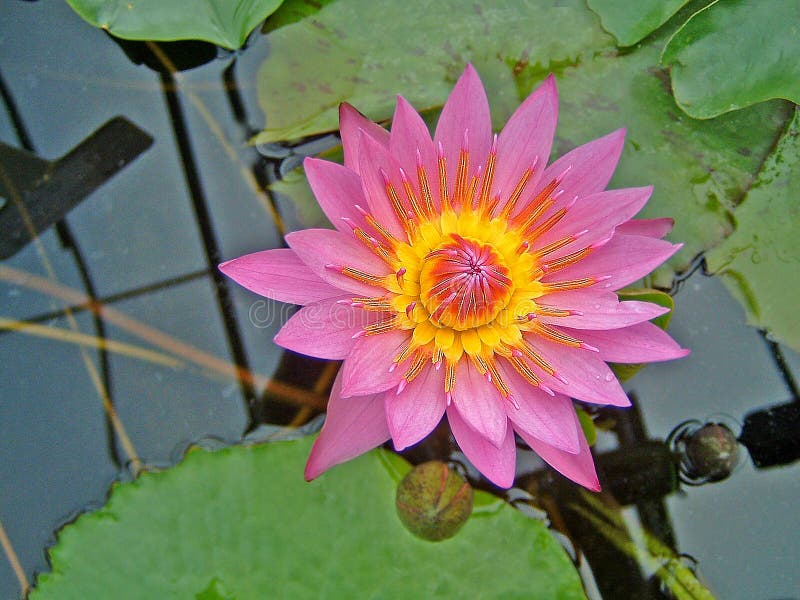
(760, 262)
(735, 53)
(630, 22)
(626, 371)
(226, 23)
(241, 523)
(371, 51)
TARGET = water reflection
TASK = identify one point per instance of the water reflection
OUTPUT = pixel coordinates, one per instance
(134, 263)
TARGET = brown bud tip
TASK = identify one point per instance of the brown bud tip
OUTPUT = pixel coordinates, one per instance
(433, 502)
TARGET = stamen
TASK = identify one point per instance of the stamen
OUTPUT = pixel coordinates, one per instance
(372, 304)
(565, 261)
(411, 194)
(361, 276)
(535, 207)
(449, 379)
(512, 200)
(553, 334)
(443, 178)
(548, 224)
(488, 178)
(422, 177)
(399, 275)
(420, 360)
(381, 326)
(394, 199)
(410, 309)
(537, 359)
(393, 241)
(462, 173)
(572, 284)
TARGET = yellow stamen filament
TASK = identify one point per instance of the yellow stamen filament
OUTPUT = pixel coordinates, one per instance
(381, 326)
(361, 276)
(512, 200)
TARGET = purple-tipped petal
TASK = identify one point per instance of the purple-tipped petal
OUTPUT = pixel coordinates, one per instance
(594, 218)
(587, 377)
(352, 426)
(322, 250)
(479, 403)
(526, 139)
(545, 417)
(465, 112)
(375, 163)
(598, 310)
(367, 369)
(326, 329)
(642, 343)
(588, 168)
(337, 190)
(577, 467)
(409, 135)
(278, 274)
(498, 465)
(656, 228)
(416, 411)
(623, 260)
(350, 123)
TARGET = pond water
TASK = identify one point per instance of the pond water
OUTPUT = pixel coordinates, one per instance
(145, 244)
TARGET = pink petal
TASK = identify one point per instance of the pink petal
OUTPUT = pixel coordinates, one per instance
(545, 417)
(410, 134)
(598, 309)
(595, 217)
(323, 250)
(353, 426)
(375, 162)
(590, 167)
(350, 123)
(640, 343)
(325, 329)
(656, 228)
(480, 404)
(497, 464)
(337, 190)
(366, 370)
(623, 260)
(587, 377)
(278, 274)
(465, 112)
(577, 467)
(526, 139)
(416, 411)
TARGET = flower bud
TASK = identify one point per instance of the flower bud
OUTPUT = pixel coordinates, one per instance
(713, 452)
(433, 502)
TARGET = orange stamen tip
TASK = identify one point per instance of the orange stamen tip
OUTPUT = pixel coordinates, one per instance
(359, 334)
(334, 267)
(449, 397)
(560, 378)
(513, 401)
(560, 178)
(586, 346)
(401, 386)
(546, 390)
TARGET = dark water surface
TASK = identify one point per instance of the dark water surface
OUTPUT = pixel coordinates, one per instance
(145, 243)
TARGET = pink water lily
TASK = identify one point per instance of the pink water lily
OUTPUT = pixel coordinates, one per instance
(466, 277)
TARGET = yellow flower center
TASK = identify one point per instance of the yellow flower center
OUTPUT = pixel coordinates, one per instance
(464, 283)
(466, 279)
